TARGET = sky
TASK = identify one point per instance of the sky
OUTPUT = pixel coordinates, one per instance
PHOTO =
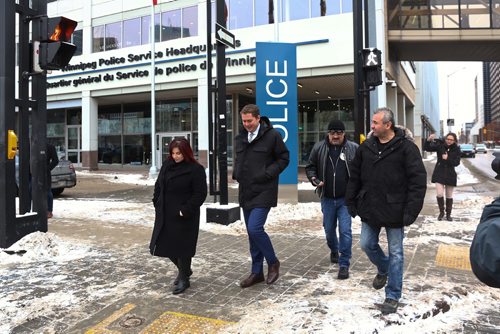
(456, 81)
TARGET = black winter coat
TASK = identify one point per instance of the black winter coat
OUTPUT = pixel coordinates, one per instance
(180, 187)
(257, 167)
(387, 189)
(485, 248)
(444, 172)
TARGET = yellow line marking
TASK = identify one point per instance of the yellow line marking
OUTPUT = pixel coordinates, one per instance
(100, 328)
(173, 323)
(455, 257)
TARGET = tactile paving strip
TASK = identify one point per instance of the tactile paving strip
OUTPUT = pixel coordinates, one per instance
(455, 257)
(177, 323)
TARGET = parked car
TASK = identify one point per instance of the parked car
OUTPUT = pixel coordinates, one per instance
(467, 151)
(481, 148)
(63, 176)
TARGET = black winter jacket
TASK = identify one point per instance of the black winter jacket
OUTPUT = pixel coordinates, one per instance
(444, 172)
(180, 187)
(485, 248)
(319, 158)
(387, 189)
(257, 167)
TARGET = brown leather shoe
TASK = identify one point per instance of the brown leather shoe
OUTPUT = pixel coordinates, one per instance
(252, 279)
(273, 272)
(49, 214)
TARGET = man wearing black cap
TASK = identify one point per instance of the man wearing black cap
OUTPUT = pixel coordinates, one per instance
(328, 170)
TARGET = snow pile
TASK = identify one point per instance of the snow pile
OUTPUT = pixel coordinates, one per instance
(40, 246)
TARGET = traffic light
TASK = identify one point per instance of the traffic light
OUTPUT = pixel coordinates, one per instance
(372, 66)
(53, 50)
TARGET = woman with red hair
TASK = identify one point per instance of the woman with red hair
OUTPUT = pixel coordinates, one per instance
(180, 190)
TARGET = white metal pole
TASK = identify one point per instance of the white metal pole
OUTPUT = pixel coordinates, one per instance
(277, 8)
(153, 171)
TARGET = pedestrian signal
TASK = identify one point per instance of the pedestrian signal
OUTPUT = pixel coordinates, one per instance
(372, 66)
(53, 50)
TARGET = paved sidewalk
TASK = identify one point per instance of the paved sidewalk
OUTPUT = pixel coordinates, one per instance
(436, 263)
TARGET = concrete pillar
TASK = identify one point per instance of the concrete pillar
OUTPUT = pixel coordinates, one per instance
(89, 132)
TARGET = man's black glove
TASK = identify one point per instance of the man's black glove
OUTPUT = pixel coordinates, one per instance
(352, 211)
(408, 219)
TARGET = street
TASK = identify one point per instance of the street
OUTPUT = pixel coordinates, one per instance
(92, 273)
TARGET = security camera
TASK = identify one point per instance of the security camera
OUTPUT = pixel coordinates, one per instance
(394, 84)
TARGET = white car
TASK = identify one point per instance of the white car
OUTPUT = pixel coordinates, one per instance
(481, 148)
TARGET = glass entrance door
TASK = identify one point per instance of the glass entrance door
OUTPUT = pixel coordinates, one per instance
(164, 139)
(74, 145)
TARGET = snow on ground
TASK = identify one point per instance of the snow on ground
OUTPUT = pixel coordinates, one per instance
(134, 178)
(322, 305)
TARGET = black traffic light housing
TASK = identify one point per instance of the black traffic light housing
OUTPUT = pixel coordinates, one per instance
(53, 47)
(372, 66)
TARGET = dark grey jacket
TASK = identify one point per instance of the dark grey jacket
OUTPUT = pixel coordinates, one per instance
(316, 166)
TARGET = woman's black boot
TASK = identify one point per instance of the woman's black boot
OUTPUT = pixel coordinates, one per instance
(184, 266)
(449, 206)
(440, 201)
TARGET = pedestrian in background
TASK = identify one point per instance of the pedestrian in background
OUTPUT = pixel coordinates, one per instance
(328, 170)
(261, 155)
(52, 161)
(180, 190)
(444, 175)
(386, 189)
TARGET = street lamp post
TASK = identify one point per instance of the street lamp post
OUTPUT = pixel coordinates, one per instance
(448, 94)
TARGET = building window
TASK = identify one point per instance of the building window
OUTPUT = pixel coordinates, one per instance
(98, 38)
(314, 117)
(297, 10)
(240, 14)
(190, 21)
(325, 7)
(146, 29)
(173, 116)
(109, 134)
(132, 32)
(56, 125)
(171, 25)
(77, 39)
(137, 133)
(262, 13)
(113, 37)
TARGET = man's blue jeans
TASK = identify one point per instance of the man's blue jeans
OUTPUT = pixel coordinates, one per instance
(260, 244)
(335, 209)
(391, 265)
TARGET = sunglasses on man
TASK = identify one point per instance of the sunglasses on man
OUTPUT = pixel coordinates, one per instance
(335, 132)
